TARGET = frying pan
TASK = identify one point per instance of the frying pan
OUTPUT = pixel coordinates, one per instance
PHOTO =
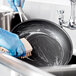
(51, 44)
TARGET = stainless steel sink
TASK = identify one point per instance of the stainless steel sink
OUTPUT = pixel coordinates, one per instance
(29, 70)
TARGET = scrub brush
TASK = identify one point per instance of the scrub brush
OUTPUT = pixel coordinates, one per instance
(27, 46)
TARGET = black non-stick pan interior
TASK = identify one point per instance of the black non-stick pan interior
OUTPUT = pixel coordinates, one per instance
(51, 44)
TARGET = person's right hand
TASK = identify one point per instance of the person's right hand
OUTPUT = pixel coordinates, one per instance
(15, 3)
(12, 43)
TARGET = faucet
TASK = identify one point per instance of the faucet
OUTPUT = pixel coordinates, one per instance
(72, 21)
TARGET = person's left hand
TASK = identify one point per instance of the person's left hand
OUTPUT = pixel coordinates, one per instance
(15, 3)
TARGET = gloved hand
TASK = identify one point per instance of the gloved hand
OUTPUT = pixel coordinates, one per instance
(15, 3)
(12, 43)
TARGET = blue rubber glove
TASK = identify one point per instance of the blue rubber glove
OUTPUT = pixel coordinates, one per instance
(12, 43)
(15, 3)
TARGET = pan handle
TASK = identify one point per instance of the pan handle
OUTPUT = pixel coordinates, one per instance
(22, 14)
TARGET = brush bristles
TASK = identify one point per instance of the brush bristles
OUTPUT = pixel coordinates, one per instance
(26, 56)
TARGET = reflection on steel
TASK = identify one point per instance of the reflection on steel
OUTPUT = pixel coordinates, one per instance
(6, 18)
(69, 70)
(21, 67)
